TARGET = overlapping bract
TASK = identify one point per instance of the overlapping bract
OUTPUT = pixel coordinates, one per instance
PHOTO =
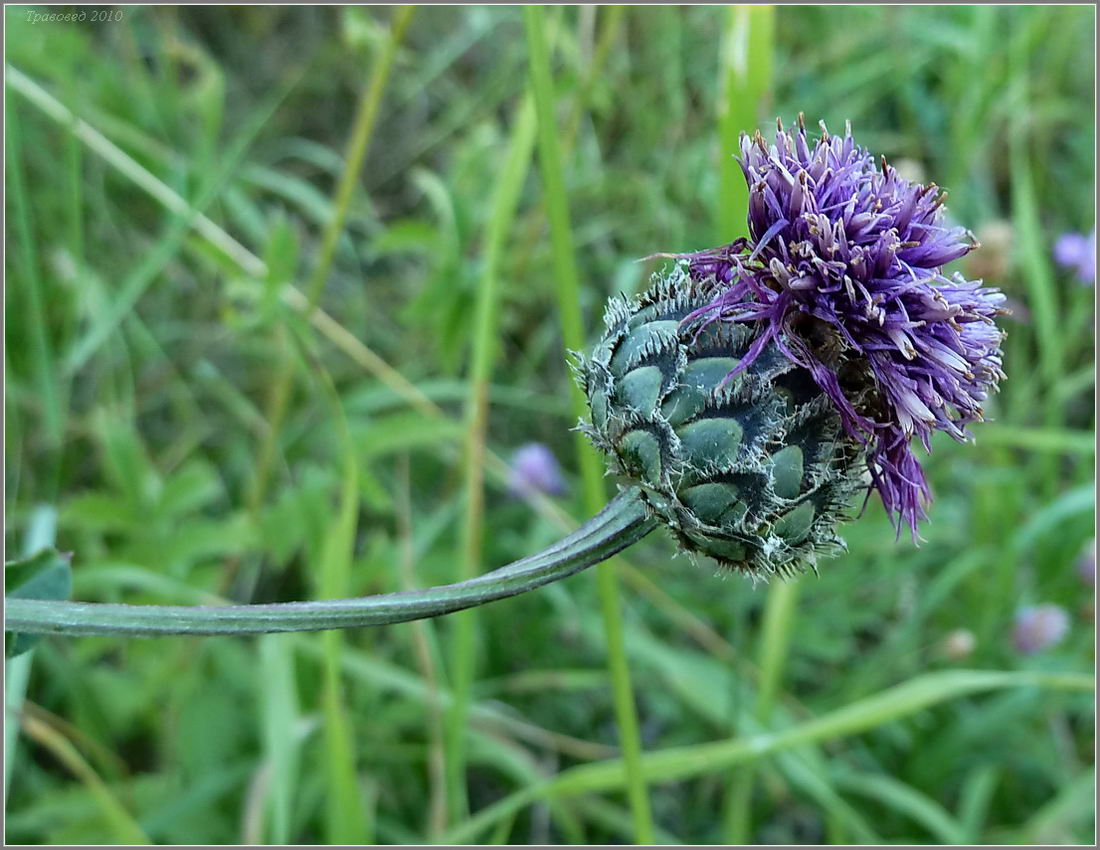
(843, 271)
(755, 472)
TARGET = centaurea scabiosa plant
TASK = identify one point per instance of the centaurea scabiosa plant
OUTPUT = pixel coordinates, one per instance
(744, 400)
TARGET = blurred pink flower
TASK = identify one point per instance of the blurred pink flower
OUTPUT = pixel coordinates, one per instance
(1039, 627)
(535, 470)
(1077, 252)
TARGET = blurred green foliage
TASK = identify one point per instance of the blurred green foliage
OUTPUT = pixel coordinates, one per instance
(142, 350)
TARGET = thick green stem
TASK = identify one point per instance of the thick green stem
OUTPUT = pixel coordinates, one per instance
(623, 522)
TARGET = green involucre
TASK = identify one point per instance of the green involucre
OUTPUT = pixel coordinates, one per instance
(756, 471)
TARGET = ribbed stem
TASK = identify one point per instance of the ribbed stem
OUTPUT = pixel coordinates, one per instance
(623, 522)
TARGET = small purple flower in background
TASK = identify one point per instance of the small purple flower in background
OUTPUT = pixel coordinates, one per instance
(1077, 252)
(1039, 627)
(1086, 565)
(535, 470)
(844, 273)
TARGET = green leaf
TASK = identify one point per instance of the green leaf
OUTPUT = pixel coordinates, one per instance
(46, 575)
(99, 511)
(678, 763)
(402, 432)
(192, 487)
(891, 793)
(281, 258)
(407, 236)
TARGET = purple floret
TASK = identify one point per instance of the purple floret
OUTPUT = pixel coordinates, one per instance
(860, 250)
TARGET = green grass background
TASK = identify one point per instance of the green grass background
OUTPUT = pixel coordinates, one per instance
(458, 190)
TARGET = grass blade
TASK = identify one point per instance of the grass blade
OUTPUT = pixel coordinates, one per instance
(1072, 807)
(565, 272)
(41, 531)
(44, 358)
(347, 819)
(974, 799)
(248, 262)
(1042, 295)
(280, 720)
(133, 170)
(358, 145)
(684, 762)
(746, 79)
(425, 647)
(891, 793)
(501, 216)
(774, 643)
(209, 230)
(126, 830)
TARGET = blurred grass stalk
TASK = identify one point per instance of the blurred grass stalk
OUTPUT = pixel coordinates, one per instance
(502, 214)
(35, 305)
(425, 646)
(744, 86)
(612, 17)
(41, 530)
(43, 519)
(775, 641)
(280, 738)
(346, 817)
(122, 825)
(358, 146)
(592, 468)
(1028, 229)
(250, 264)
(678, 763)
(746, 68)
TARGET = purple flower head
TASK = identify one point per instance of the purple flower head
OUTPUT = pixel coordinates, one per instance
(535, 470)
(843, 271)
(1077, 252)
(1039, 627)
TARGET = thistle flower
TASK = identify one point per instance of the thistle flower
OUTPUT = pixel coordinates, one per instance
(843, 275)
(535, 470)
(745, 398)
(1039, 627)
